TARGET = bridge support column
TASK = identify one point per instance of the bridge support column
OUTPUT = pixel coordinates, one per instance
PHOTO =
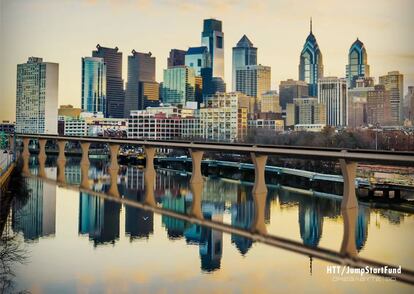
(113, 187)
(348, 246)
(149, 176)
(197, 191)
(85, 152)
(61, 146)
(113, 149)
(196, 158)
(349, 199)
(11, 142)
(26, 156)
(42, 157)
(259, 193)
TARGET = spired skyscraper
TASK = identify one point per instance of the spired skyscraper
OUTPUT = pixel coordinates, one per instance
(114, 83)
(213, 38)
(243, 54)
(357, 66)
(94, 85)
(311, 63)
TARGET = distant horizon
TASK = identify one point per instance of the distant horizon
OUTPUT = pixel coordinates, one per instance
(147, 26)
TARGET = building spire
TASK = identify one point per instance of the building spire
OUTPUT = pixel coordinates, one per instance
(311, 24)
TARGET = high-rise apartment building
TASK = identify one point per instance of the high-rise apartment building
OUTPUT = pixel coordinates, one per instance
(409, 104)
(213, 38)
(379, 107)
(243, 54)
(253, 80)
(176, 57)
(94, 85)
(178, 85)
(332, 92)
(114, 83)
(394, 83)
(291, 89)
(37, 97)
(141, 68)
(311, 63)
(357, 66)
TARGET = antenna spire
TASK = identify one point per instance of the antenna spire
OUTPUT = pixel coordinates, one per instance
(311, 24)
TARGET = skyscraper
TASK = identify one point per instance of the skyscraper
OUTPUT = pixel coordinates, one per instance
(357, 66)
(176, 57)
(114, 84)
(243, 54)
(197, 58)
(394, 82)
(37, 96)
(409, 104)
(291, 89)
(94, 85)
(141, 68)
(311, 63)
(213, 38)
(379, 106)
(253, 80)
(178, 86)
(332, 92)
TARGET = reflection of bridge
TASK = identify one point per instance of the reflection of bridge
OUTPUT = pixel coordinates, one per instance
(257, 231)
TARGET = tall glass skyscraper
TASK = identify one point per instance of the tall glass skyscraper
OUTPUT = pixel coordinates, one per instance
(94, 85)
(37, 96)
(311, 63)
(114, 83)
(178, 86)
(243, 54)
(141, 68)
(213, 38)
(357, 63)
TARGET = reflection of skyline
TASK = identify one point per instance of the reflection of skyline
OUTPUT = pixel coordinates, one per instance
(99, 219)
(36, 217)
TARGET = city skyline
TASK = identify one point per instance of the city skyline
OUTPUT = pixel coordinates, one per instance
(376, 29)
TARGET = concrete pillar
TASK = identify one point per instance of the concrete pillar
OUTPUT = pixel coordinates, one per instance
(42, 158)
(25, 169)
(258, 225)
(149, 176)
(61, 178)
(197, 191)
(348, 246)
(113, 174)
(259, 162)
(85, 152)
(26, 147)
(85, 175)
(196, 158)
(113, 149)
(349, 199)
(61, 146)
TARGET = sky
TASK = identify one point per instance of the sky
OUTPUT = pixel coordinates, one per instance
(64, 31)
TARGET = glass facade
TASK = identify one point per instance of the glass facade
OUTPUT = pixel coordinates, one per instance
(178, 86)
(243, 54)
(212, 37)
(357, 63)
(94, 85)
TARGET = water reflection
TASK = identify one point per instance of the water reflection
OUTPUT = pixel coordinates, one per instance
(215, 199)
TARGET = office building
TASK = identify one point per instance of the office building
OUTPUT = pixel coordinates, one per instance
(176, 58)
(357, 103)
(37, 97)
(75, 127)
(223, 116)
(253, 80)
(291, 89)
(69, 111)
(243, 54)
(409, 104)
(379, 107)
(311, 63)
(94, 85)
(357, 66)
(7, 127)
(332, 92)
(394, 83)
(197, 58)
(306, 111)
(114, 83)
(178, 85)
(212, 37)
(149, 94)
(141, 68)
(270, 102)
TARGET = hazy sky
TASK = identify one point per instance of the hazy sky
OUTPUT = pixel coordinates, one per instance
(63, 31)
